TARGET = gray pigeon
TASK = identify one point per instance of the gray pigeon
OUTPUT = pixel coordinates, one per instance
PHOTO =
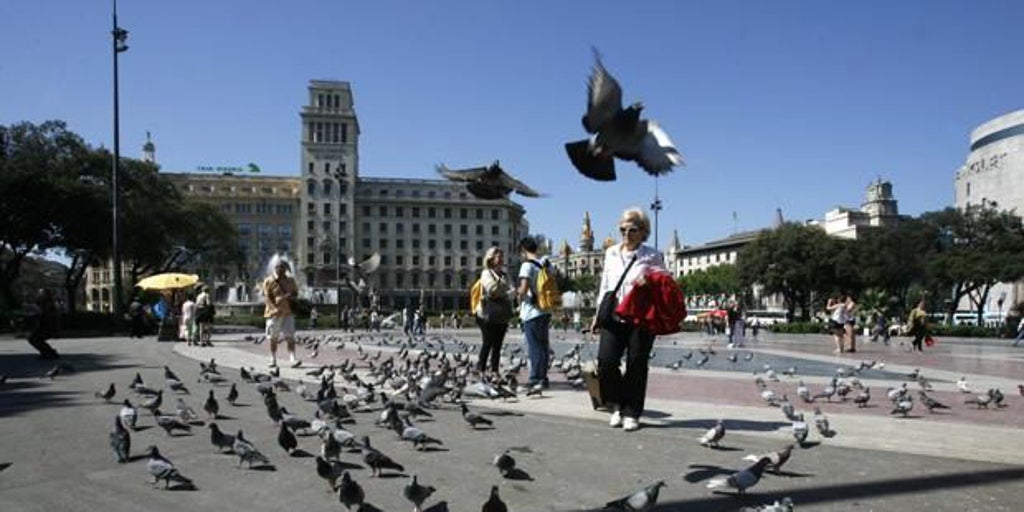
(247, 452)
(120, 441)
(742, 479)
(775, 459)
(488, 182)
(219, 439)
(505, 463)
(416, 493)
(800, 429)
(129, 415)
(713, 435)
(639, 501)
(618, 133)
(163, 469)
(106, 394)
(170, 423)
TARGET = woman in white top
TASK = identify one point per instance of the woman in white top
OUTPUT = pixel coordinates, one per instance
(187, 331)
(625, 393)
(837, 320)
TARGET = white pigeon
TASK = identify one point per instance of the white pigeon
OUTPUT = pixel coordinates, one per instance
(785, 505)
(804, 392)
(800, 429)
(962, 385)
(713, 435)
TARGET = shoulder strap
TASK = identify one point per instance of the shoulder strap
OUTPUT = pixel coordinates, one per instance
(623, 276)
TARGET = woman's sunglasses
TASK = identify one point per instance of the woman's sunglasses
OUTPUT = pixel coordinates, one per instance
(631, 229)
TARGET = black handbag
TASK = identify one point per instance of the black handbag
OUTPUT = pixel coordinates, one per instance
(496, 311)
(606, 317)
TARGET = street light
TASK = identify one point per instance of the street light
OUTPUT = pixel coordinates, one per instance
(119, 37)
(656, 207)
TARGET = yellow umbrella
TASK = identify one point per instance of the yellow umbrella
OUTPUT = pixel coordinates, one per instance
(168, 281)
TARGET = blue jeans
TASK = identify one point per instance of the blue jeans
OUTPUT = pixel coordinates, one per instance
(538, 346)
(1020, 336)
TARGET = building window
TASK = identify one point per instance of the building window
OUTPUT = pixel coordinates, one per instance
(311, 188)
(495, 214)
(399, 279)
(366, 228)
(327, 226)
(400, 243)
(431, 212)
(327, 257)
(327, 171)
(415, 263)
(431, 260)
(366, 243)
(447, 261)
(383, 211)
(416, 227)
(383, 227)
(431, 229)
(479, 213)
(464, 245)
(494, 230)
(344, 132)
(479, 230)
(480, 245)
(383, 243)
(463, 261)
(415, 243)
(311, 168)
(327, 208)
(431, 244)
(447, 244)
(399, 260)
(447, 213)
(463, 229)
(463, 213)
(399, 227)
(415, 210)
(447, 229)
(415, 279)
(366, 211)
(399, 211)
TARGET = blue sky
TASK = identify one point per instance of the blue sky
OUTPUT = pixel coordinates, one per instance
(789, 104)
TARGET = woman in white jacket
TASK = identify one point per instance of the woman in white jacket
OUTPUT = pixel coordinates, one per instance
(625, 393)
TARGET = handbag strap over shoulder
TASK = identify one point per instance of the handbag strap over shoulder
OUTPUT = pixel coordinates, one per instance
(623, 276)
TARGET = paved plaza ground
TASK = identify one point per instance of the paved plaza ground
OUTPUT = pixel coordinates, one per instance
(55, 431)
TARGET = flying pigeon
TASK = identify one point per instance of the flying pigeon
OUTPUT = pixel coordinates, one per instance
(120, 441)
(742, 479)
(416, 493)
(640, 501)
(713, 435)
(618, 133)
(163, 469)
(488, 182)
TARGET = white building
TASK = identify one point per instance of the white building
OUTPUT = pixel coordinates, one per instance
(994, 172)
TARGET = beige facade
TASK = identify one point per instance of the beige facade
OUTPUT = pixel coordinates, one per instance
(993, 172)
(879, 209)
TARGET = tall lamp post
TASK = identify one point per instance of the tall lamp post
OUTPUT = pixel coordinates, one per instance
(120, 36)
(656, 207)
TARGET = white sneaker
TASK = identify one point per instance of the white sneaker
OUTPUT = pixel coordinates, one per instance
(616, 420)
(273, 362)
(630, 424)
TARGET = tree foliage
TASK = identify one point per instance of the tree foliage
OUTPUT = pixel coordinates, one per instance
(717, 280)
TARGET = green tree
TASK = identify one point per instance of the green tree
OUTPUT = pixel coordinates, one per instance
(793, 260)
(717, 280)
(35, 161)
(975, 248)
(892, 259)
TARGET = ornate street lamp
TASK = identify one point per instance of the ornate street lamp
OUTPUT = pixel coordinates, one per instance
(120, 36)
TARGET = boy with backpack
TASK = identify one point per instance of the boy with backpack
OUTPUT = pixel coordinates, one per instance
(538, 296)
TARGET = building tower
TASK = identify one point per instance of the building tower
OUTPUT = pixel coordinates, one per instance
(779, 220)
(879, 204)
(330, 167)
(149, 150)
(586, 235)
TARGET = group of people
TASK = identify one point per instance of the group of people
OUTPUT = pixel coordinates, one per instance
(626, 265)
(196, 320)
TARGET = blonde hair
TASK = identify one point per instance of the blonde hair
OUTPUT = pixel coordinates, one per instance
(638, 218)
(278, 259)
(490, 256)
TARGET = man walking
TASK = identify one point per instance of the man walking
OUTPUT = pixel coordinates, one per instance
(536, 324)
(279, 293)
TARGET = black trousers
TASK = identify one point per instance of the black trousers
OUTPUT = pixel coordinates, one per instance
(918, 338)
(493, 335)
(627, 390)
(38, 341)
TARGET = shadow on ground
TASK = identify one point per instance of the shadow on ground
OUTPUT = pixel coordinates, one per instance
(28, 388)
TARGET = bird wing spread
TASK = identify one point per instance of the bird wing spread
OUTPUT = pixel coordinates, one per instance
(657, 154)
(604, 98)
(471, 174)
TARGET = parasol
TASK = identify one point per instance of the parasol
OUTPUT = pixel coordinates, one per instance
(168, 281)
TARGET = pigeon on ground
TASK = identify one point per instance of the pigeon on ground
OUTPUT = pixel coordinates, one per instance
(488, 182)
(962, 385)
(494, 503)
(742, 479)
(997, 397)
(713, 435)
(376, 459)
(821, 423)
(350, 493)
(120, 441)
(106, 394)
(170, 423)
(640, 501)
(787, 408)
(292, 421)
(247, 452)
(185, 413)
(163, 469)
(286, 439)
(862, 398)
(330, 446)
(129, 415)
(473, 418)
(783, 505)
(329, 470)
(417, 437)
(981, 401)
(219, 439)
(154, 403)
(416, 493)
(799, 429)
(804, 392)
(232, 394)
(618, 133)
(903, 406)
(930, 403)
(775, 459)
(505, 463)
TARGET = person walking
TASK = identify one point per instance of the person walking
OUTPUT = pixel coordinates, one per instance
(850, 327)
(1020, 332)
(313, 315)
(536, 323)
(279, 293)
(494, 311)
(137, 317)
(44, 322)
(918, 322)
(625, 265)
